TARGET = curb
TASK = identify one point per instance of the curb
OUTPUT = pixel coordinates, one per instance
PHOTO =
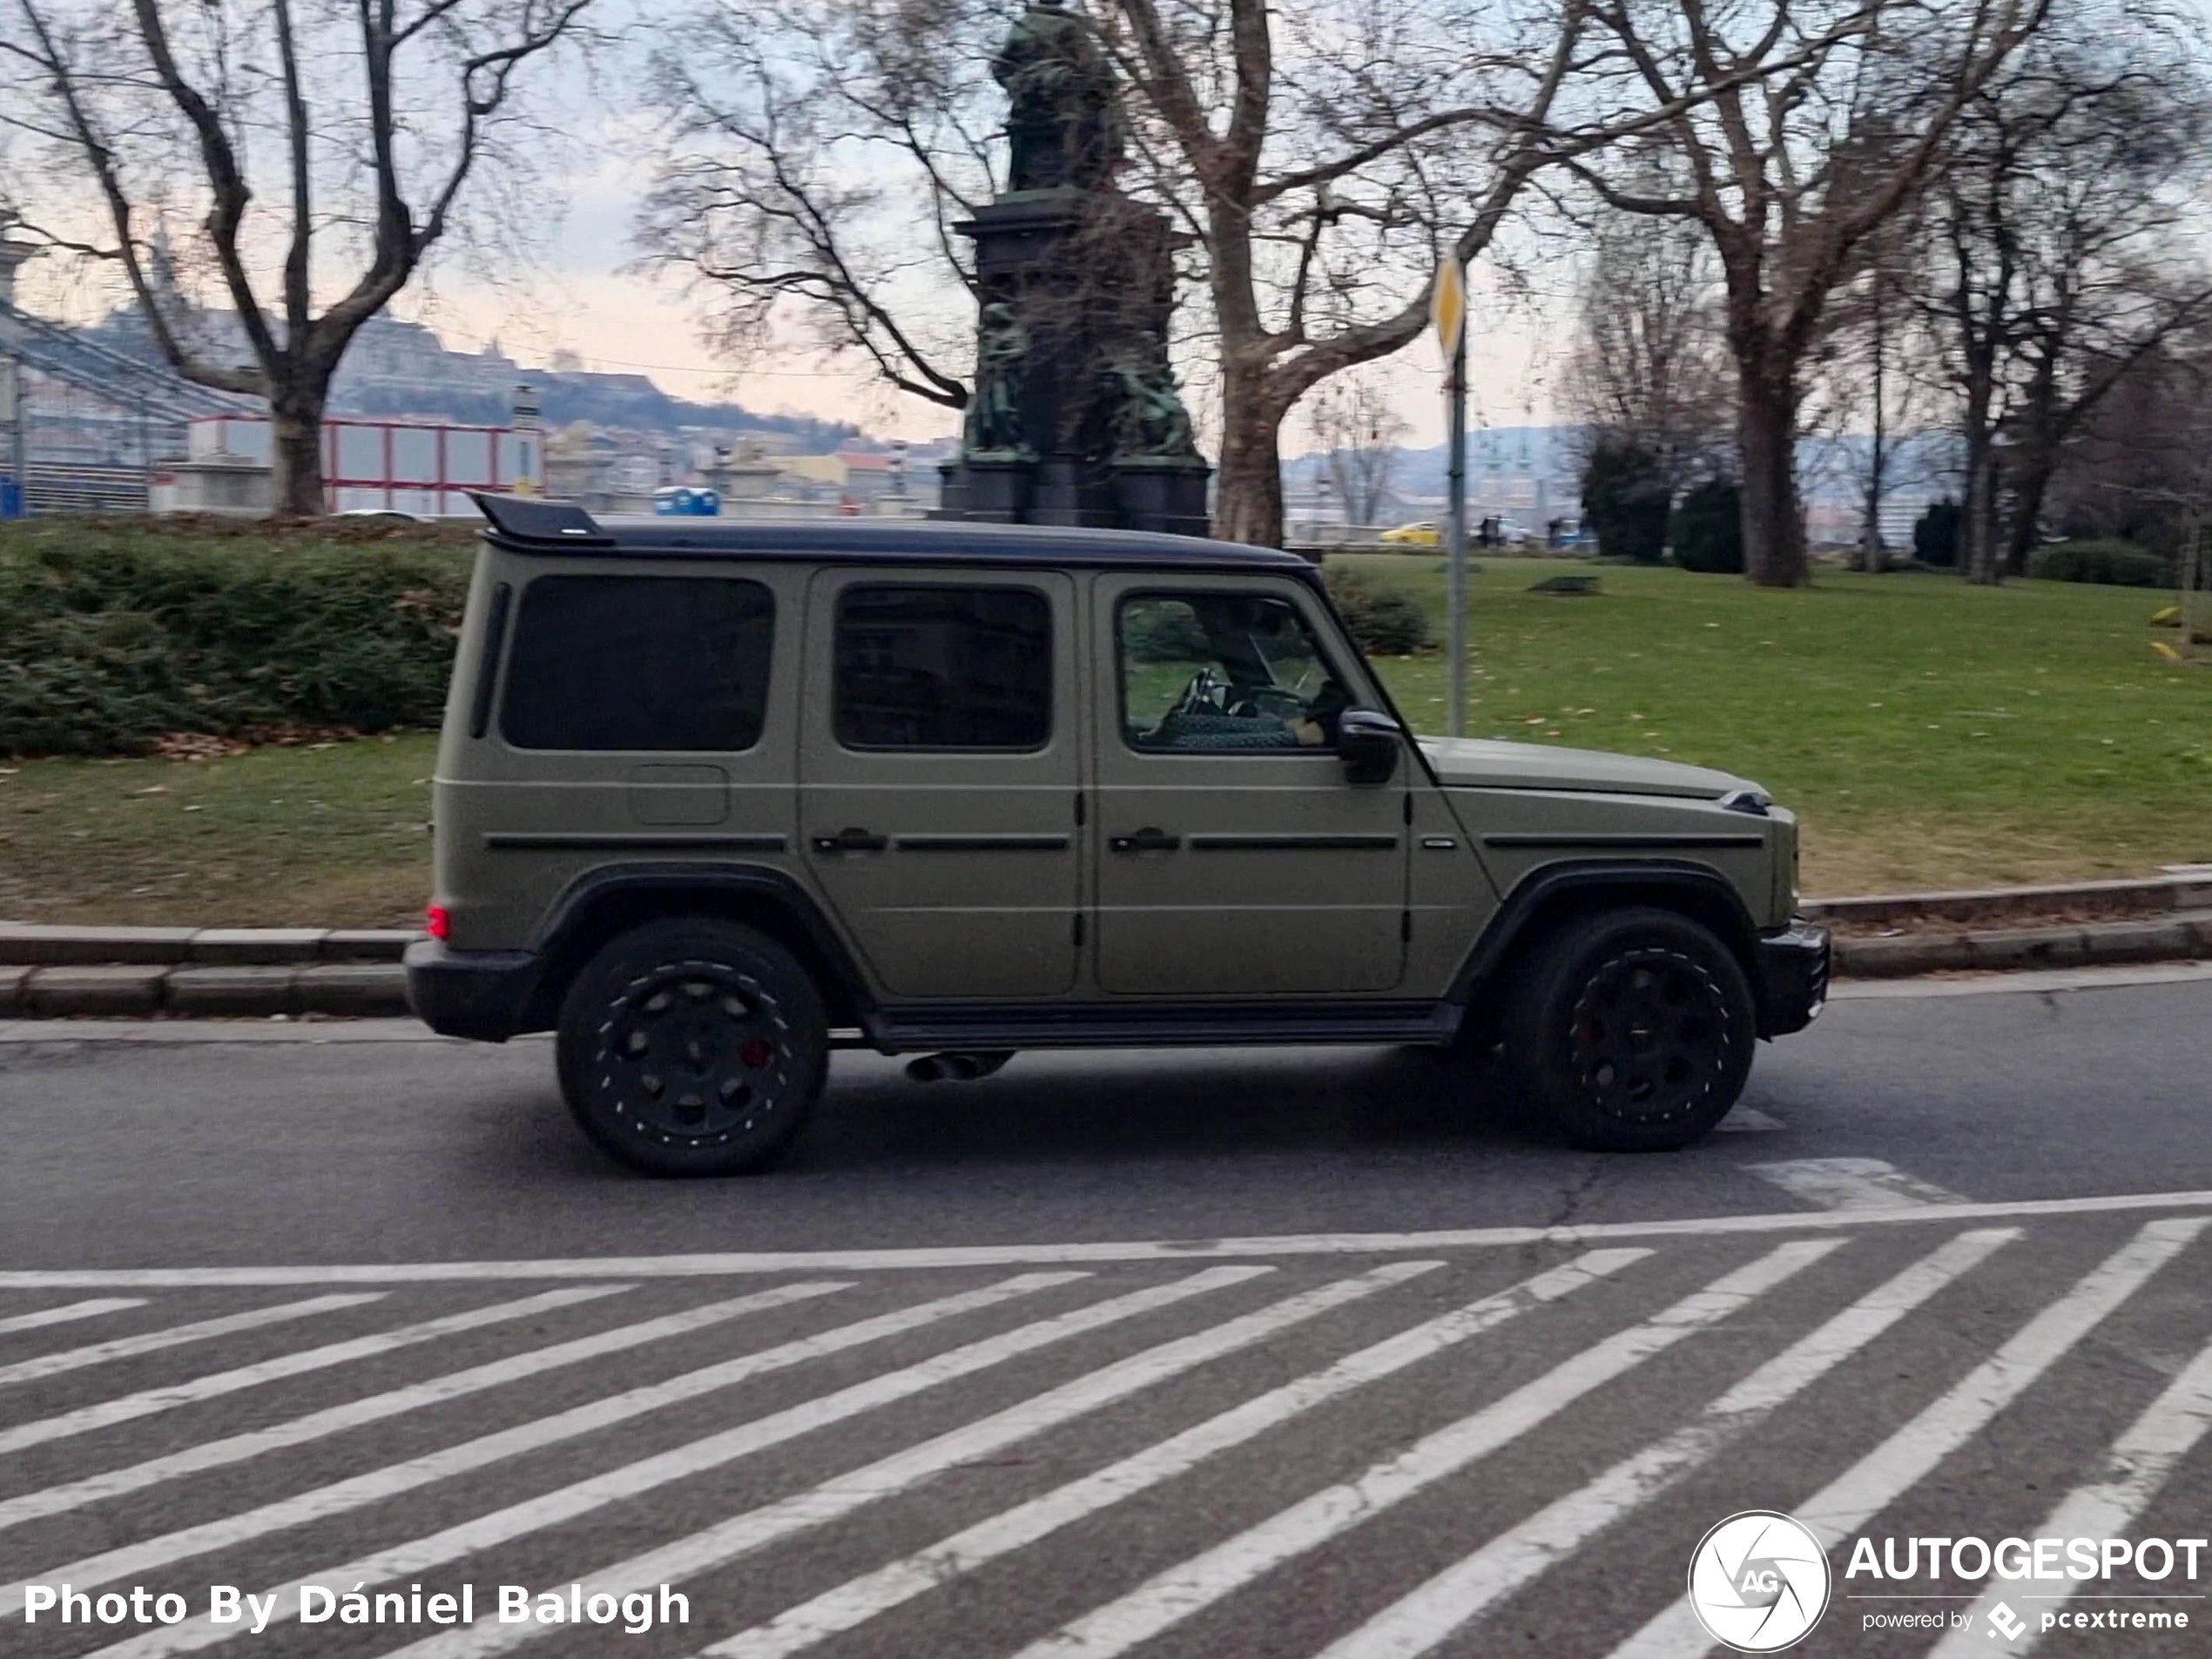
(2164, 894)
(2175, 938)
(29, 945)
(353, 990)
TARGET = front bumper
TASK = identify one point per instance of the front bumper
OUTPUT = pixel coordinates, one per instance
(1793, 965)
(486, 994)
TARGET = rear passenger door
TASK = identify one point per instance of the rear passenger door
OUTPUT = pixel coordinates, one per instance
(939, 768)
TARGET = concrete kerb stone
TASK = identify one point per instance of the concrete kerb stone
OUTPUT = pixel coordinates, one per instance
(2117, 898)
(368, 944)
(13, 979)
(357, 990)
(30, 944)
(110, 991)
(256, 947)
(249, 991)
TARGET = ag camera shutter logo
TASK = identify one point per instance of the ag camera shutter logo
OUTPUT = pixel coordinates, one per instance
(1758, 1581)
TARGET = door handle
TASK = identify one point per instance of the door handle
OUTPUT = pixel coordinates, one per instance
(851, 840)
(1147, 840)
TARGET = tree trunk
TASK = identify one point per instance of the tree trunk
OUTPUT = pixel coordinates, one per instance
(2027, 508)
(1248, 487)
(1766, 442)
(1870, 559)
(295, 453)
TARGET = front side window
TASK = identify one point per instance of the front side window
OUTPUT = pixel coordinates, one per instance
(620, 662)
(1225, 671)
(942, 667)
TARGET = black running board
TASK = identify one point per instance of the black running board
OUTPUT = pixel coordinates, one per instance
(986, 1026)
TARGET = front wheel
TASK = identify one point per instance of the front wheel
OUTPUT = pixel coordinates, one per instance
(693, 1047)
(1632, 1031)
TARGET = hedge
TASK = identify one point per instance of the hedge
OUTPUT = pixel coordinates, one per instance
(2114, 564)
(120, 631)
(1624, 501)
(1386, 621)
(1708, 534)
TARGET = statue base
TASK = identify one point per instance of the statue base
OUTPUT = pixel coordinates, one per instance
(1166, 494)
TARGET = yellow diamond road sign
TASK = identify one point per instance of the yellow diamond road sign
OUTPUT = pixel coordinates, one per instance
(1447, 303)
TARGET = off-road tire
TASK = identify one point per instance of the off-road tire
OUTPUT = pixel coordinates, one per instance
(1631, 1030)
(693, 1047)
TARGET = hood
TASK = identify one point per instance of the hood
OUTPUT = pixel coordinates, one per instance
(1489, 763)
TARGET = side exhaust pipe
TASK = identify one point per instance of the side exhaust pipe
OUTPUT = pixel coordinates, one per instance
(954, 1067)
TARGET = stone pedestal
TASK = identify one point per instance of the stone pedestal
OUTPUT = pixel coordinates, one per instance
(1085, 277)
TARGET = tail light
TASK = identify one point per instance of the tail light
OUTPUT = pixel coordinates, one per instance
(436, 921)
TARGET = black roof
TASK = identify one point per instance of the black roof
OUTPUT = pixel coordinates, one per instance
(555, 528)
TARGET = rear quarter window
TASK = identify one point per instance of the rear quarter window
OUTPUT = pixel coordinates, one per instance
(613, 662)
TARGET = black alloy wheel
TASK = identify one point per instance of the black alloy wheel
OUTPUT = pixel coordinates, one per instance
(1633, 1030)
(693, 1048)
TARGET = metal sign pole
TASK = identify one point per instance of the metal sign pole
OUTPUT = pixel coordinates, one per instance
(1447, 311)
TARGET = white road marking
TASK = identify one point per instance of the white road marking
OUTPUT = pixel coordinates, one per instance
(1171, 1250)
(2141, 1461)
(107, 1413)
(352, 1413)
(1430, 1614)
(1913, 1452)
(47, 1365)
(377, 1485)
(861, 1599)
(64, 1315)
(1175, 1594)
(1856, 1184)
(833, 1499)
(1749, 1120)
(565, 1503)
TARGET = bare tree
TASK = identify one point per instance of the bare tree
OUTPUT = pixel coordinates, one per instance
(2063, 223)
(1649, 367)
(1790, 173)
(1318, 156)
(1357, 431)
(162, 121)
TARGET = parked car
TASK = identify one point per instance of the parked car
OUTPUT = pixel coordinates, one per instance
(716, 797)
(1423, 534)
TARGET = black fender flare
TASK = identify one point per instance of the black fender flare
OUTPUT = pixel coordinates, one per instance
(1655, 878)
(569, 920)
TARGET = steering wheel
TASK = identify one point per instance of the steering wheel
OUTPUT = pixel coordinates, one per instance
(1207, 691)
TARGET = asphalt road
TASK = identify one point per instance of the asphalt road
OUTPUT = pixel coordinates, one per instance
(1283, 1354)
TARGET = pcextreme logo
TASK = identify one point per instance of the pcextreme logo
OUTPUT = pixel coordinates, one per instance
(1758, 1581)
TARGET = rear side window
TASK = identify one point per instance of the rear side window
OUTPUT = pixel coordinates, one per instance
(608, 662)
(943, 667)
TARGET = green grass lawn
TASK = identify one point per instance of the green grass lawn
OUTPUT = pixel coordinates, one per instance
(1931, 735)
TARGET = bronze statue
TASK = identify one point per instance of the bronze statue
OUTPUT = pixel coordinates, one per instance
(1147, 416)
(1065, 118)
(992, 429)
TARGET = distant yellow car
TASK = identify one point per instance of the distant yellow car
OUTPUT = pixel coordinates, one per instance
(1424, 534)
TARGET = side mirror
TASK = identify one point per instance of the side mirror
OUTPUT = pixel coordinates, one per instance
(1367, 742)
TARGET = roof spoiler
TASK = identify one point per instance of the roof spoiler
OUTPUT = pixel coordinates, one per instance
(529, 523)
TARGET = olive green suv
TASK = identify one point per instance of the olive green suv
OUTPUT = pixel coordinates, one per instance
(716, 797)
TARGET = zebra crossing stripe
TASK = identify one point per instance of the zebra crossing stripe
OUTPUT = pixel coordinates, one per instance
(1429, 1614)
(1913, 1452)
(352, 1413)
(565, 1503)
(864, 1598)
(341, 1497)
(47, 1365)
(833, 1499)
(74, 1311)
(1175, 1594)
(107, 1413)
(2141, 1461)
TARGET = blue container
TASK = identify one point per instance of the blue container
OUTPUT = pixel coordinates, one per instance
(11, 498)
(686, 501)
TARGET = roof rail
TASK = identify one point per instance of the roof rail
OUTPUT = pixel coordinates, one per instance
(542, 523)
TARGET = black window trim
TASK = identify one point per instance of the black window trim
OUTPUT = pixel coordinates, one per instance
(962, 583)
(521, 599)
(1121, 602)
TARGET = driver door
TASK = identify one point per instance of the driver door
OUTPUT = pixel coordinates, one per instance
(1232, 857)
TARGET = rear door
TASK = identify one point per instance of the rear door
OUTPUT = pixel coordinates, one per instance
(939, 762)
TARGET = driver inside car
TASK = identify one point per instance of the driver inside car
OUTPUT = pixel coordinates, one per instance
(1239, 698)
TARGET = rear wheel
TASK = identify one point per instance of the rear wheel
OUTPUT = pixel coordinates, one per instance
(693, 1048)
(1632, 1031)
